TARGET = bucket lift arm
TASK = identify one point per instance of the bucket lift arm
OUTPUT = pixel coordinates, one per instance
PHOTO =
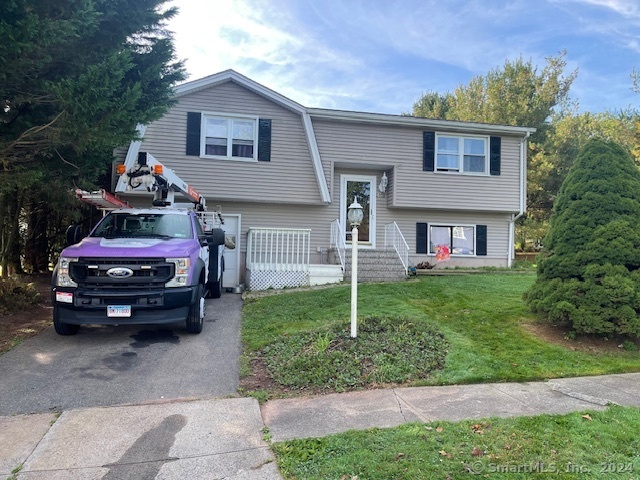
(149, 174)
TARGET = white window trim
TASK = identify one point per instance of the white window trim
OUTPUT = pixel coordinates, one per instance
(452, 224)
(228, 116)
(460, 171)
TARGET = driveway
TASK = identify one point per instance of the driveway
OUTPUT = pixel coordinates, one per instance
(103, 366)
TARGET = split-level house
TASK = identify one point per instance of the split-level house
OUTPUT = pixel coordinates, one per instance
(284, 175)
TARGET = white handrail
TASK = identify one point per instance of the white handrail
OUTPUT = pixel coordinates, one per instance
(393, 238)
(278, 249)
(338, 239)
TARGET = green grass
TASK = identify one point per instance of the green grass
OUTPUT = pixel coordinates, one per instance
(480, 315)
(585, 445)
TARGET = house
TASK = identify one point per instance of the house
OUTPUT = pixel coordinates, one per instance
(284, 176)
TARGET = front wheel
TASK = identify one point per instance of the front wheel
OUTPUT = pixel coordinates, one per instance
(195, 319)
(63, 328)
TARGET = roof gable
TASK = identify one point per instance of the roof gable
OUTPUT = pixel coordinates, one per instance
(235, 77)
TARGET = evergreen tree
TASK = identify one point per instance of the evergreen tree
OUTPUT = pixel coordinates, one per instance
(589, 273)
(515, 94)
(77, 77)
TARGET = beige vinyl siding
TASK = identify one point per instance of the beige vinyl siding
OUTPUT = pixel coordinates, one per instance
(497, 224)
(287, 178)
(400, 149)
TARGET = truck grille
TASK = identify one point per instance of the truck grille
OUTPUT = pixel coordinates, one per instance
(144, 272)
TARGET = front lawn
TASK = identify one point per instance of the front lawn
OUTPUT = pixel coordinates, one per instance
(482, 317)
(584, 445)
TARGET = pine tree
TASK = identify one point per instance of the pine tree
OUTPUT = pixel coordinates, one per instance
(589, 273)
(77, 77)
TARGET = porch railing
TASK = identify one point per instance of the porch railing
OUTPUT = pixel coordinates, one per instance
(279, 249)
(278, 257)
(393, 238)
(338, 241)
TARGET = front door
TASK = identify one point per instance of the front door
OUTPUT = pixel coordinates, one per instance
(231, 227)
(362, 188)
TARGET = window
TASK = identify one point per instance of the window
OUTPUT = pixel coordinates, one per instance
(151, 225)
(229, 137)
(461, 154)
(458, 240)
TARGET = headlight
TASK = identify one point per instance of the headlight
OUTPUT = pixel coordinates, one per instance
(64, 279)
(181, 276)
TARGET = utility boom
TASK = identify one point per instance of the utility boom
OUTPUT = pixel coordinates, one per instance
(151, 175)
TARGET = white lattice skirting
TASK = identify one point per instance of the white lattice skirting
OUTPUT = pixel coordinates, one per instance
(266, 279)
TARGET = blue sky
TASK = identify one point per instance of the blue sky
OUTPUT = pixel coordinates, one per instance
(381, 55)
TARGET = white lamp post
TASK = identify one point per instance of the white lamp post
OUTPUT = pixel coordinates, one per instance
(354, 217)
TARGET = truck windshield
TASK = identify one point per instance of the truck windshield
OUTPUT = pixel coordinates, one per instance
(148, 225)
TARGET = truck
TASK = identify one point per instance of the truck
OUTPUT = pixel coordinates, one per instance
(150, 265)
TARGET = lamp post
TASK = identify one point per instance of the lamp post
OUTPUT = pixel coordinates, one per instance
(354, 216)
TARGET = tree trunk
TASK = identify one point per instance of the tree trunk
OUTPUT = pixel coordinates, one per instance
(10, 259)
(36, 257)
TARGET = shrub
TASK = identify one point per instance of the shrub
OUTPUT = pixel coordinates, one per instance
(588, 274)
(16, 295)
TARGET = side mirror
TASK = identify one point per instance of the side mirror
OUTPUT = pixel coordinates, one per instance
(73, 235)
(205, 240)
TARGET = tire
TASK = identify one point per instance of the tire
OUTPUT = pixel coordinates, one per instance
(195, 319)
(63, 328)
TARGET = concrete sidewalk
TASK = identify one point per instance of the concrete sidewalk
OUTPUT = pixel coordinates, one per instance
(324, 415)
(188, 439)
(223, 438)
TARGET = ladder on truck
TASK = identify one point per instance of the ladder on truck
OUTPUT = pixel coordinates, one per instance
(101, 199)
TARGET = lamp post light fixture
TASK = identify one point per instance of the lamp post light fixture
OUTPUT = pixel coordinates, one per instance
(354, 217)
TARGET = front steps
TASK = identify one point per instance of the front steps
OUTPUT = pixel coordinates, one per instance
(324, 274)
(375, 266)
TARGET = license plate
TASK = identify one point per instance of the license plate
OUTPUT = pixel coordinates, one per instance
(119, 311)
(64, 297)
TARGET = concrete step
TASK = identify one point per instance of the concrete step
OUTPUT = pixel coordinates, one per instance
(324, 274)
(375, 266)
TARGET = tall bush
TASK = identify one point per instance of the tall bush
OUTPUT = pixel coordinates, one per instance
(589, 272)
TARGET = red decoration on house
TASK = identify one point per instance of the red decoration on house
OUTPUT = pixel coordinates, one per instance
(442, 253)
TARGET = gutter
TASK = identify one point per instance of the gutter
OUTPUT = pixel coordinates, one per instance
(523, 200)
(401, 120)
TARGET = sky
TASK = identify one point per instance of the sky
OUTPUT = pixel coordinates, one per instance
(382, 55)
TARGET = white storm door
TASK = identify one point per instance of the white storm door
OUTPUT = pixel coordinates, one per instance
(231, 229)
(362, 187)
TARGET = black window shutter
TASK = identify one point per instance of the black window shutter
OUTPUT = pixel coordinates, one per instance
(428, 151)
(264, 140)
(481, 240)
(494, 155)
(421, 237)
(193, 133)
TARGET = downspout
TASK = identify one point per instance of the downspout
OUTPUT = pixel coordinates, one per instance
(523, 200)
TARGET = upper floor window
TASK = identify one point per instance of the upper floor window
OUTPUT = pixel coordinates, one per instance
(230, 137)
(461, 154)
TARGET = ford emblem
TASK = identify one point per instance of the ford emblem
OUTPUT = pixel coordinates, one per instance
(120, 272)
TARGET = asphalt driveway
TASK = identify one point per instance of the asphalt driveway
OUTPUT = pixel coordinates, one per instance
(103, 366)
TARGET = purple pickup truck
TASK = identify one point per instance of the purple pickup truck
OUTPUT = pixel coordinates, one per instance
(139, 266)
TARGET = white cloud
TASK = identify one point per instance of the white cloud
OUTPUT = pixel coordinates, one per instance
(379, 55)
(628, 8)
